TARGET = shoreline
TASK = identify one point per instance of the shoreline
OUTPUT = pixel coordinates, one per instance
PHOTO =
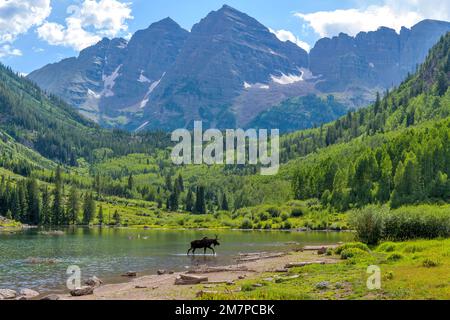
(163, 287)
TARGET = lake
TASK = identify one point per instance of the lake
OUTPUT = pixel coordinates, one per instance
(108, 253)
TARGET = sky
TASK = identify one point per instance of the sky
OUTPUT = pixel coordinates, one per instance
(34, 33)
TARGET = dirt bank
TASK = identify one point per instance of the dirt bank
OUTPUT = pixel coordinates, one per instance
(162, 287)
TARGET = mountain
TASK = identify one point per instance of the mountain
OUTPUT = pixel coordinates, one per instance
(299, 113)
(114, 76)
(380, 58)
(52, 128)
(229, 70)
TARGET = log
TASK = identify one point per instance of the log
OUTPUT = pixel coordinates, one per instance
(187, 280)
(203, 270)
(261, 257)
(84, 291)
(303, 264)
(317, 248)
(130, 274)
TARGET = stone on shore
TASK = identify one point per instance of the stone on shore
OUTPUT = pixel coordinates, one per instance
(93, 282)
(189, 279)
(84, 291)
(130, 274)
(6, 294)
(26, 294)
(51, 297)
(161, 272)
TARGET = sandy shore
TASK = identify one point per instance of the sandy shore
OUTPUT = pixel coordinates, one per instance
(162, 287)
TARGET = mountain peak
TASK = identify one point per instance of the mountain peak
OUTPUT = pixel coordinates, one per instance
(166, 23)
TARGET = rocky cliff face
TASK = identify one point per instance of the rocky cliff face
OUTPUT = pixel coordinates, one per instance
(225, 53)
(381, 58)
(227, 70)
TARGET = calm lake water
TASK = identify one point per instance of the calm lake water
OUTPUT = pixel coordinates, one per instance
(108, 253)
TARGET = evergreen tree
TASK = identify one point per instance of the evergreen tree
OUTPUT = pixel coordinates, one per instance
(200, 204)
(58, 203)
(189, 205)
(224, 205)
(73, 206)
(88, 209)
(100, 215)
(116, 218)
(46, 210)
(33, 202)
(130, 182)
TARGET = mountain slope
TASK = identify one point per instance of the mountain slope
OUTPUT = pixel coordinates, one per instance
(229, 70)
(54, 129)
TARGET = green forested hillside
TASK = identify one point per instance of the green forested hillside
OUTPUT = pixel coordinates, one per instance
(395, 151)
(54, 129)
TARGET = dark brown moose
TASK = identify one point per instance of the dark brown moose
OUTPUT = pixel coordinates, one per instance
(204, 244)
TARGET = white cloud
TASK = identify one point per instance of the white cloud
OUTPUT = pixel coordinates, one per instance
(88, 23)
(7, 50)
(391, 13)
(285, 35)
(16, 18)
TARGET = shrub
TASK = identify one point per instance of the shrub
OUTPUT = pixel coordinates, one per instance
(352, 253)
(368, 224)
(274, 212)
(395, 256)
(246, 224)
(246, 287)
(387, 247)
(284, 216)
(431, 262)
(355, 245)
(287, 225)
(297, 212)
(263, 216)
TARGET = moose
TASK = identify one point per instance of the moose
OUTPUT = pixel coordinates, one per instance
(204, 243)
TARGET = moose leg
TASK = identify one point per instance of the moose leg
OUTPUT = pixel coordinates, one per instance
(204, 251)
(193, 251)
(214, 252)
(189, 251)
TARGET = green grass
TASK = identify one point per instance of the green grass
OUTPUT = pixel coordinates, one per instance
(414, 270)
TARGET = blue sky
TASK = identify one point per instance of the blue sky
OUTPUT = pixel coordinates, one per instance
(36, 32)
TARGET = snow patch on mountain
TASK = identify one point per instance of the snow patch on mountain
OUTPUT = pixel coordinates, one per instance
(109, 82)
(149, 92)
(287, 79)
(142, 126)
(143, 79)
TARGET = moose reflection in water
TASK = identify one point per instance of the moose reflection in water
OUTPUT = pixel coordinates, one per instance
(204, 244)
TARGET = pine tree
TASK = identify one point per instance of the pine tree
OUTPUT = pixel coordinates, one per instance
(46, 210)
(116, 217)
(130, 182)
(33, 202)
(100, 215)
(224, 205)
(58, 206)
(189, 205)
(88, 209)
(73, 206)
(200, 204)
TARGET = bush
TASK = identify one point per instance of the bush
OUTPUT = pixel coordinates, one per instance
(297, 212)
(274, 212)
(352, 253)
(355, 245)
(395, 256)
(284, 216)
(368, 224)
(246, 224)
(387, 247)
(287, 225)
(263, 216)
(431, 262)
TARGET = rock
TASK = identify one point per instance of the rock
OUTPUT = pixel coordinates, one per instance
(130, 274)
(52, 297)
(257, 285)
(322, 251)
(203, 292)
(7, 294)
(171, 272)
(28, 294)
(268, 279)
(242, 277)
(93, 282)
(282, 270)
(140, 287)
(161, 272)
(155, 287)
(188, 280)
(84, 291)
(323, 285)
